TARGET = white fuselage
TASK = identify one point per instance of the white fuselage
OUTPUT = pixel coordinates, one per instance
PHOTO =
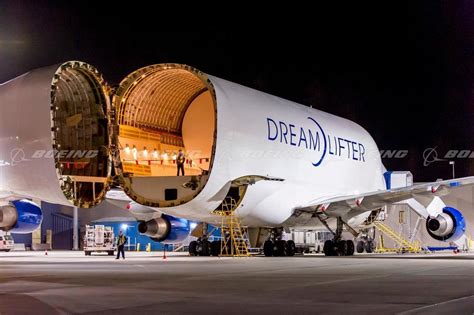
(25, 131)
(318, 155)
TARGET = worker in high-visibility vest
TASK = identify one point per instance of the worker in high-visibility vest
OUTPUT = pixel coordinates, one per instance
(121, 241)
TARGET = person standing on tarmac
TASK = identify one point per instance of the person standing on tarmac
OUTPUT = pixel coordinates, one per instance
(121, 241)
(180, 160)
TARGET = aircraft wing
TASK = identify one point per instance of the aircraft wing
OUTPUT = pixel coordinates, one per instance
(118, 194)
(423, 193)
(119, 198)
(4, 198)
(7, 196)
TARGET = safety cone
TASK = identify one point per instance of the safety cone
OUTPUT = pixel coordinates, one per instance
(164, 252)
(46, 252)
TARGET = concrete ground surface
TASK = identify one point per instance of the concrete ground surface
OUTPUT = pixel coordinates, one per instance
(144, 283)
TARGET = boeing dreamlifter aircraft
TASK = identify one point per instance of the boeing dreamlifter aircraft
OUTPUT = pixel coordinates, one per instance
(66, 138)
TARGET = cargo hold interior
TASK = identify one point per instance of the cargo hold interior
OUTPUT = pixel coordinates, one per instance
(161, 110)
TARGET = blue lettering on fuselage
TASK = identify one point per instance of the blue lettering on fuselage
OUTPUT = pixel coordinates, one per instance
(302, 138)
(314, 138)
(346, 148)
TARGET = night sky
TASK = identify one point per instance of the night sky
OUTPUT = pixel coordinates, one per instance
(405, 74)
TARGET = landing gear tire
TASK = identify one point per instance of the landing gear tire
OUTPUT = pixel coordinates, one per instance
(205, 248)
(193, 248)
(268, 248)
(360, 247)
(337, 246)
(341, 248)
(291, 248)
(215, 248)
(369, 246)
(350, 248)
(87, 253)
(328, 248)
(281, 248)
(110, 253)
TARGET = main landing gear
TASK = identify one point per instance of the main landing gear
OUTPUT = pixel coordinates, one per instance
(337, 246)
(203, 247)
(275, 246)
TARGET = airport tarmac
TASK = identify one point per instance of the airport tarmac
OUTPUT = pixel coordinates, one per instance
(145, 283)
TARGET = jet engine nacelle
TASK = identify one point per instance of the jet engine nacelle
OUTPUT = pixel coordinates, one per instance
(165, 229)
(446, 226)
(21, 216)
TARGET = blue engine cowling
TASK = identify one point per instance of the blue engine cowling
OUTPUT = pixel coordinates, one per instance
(447, 226)
(21, 216)
(166, 229)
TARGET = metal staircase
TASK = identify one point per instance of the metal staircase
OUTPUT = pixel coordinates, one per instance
(234, 237)
(403, 244)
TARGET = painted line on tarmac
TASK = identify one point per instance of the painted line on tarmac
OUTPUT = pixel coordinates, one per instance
(340, 280)
(428, 307)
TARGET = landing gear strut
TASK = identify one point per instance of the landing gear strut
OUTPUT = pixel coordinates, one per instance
(200, 247)
(275, 246)
(203, 247)
(337, 246)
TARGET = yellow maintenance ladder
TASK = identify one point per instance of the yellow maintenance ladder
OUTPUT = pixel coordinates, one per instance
(234, 237)
(403, 244)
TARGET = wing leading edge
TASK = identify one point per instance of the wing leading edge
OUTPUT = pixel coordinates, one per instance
(422, 193)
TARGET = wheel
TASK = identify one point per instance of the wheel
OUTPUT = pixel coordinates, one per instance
(369, 246)
(350, 248)
(360, 246)
(291, 248)
(268, 248)
(193, 248)
(216, 248)
(281, 248)
(328, 248)
(110, 252)
(341, 248)
(205, 248)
